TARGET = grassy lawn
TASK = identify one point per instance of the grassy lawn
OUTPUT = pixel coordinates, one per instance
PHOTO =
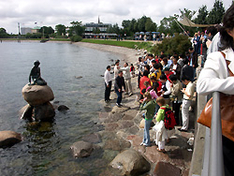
(127, 44)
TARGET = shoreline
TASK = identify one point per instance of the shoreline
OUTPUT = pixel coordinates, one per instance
(127, 54)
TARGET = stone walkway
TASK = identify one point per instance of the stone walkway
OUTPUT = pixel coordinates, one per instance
(123, 123)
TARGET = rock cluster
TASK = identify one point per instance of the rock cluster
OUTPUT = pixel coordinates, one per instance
(9, 138)
(39, 106)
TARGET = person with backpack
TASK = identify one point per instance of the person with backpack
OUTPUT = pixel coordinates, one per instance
(165, 122)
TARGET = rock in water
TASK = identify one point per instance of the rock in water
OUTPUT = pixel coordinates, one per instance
(44, 112)
(26, 112)
(37, 95)
(131, 163)
(62, 108)
(9, 138)
(82, 149)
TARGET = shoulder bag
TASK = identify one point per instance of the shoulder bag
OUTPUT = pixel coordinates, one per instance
(227, 112)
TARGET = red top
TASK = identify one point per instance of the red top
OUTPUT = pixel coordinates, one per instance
(142, 80)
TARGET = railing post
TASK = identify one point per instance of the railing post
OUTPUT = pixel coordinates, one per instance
(216, 149)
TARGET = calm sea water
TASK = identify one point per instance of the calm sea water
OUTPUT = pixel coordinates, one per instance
(45, 148)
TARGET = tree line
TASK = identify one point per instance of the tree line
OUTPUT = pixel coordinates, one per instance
(168, 25)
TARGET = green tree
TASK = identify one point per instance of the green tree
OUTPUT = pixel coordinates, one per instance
(178, 44)
(76, 28)
(113, 29)
(216, 14)
(46, 31)
(169, 25)
(96, 31)
(188, 13)
(141, 24)
(3, 33)
(126, 24)
(202, 15)
(150, 26)
(61, 29)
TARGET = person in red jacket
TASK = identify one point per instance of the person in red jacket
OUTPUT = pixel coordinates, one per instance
(142, 80)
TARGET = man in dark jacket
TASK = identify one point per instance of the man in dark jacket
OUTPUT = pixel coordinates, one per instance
(119, 84)
(187, 70)
(193, 61)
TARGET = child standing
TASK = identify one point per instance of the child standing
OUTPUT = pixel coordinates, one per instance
(148, 105)
(161, 133)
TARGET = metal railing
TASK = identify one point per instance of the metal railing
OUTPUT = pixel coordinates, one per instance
(214, 167)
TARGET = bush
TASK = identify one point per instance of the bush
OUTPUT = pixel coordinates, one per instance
(76, 38)
(178, 44)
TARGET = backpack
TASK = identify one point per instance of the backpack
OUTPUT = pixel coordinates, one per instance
(169, 118)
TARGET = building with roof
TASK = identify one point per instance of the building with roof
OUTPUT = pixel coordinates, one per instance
(99, 29)
(26, 30)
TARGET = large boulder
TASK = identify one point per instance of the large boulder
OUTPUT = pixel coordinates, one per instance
(37, 95)
(9, 138)
(82, 149)
(44, 112)
(131, 163)
(163, 168)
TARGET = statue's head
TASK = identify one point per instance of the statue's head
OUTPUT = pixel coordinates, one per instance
(37, 63)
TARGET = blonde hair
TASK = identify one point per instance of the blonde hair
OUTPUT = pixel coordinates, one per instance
(161, 100)
(148, 96)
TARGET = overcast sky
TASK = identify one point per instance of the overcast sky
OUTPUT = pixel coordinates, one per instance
(53, 12)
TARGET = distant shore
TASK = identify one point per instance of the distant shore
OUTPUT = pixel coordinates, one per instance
(126, 54)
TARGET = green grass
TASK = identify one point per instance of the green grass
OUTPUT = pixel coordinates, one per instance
(127, 44)
(60, 39)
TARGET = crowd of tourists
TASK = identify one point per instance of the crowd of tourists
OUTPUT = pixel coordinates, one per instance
(166, 84)
(163, 82)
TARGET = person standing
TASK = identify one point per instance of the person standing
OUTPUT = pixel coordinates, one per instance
(176, 96)
(193, 60)
(116, 68)
(159, 128)
(148, 105)
(176, 68)
(187, 70)
(165, 91)
(127, 78)
(119, 84)
(216, 76)
(108, 83)
(142, 81)
(187, 98)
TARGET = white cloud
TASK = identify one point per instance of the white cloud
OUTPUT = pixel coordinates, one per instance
(54, 12)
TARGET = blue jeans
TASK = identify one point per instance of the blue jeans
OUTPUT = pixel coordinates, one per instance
(146, 138)
(119, 98)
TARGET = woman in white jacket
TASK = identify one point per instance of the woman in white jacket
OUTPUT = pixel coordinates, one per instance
(215, 77)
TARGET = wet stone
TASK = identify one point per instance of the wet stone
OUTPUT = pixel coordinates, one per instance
(127, 117)
(163, 168)
(103, 115)
(125, 124)
(93, 138)
(154, 156)
(133, 130)
(130, 114)
(117, 144)
(111, 126)
(113, 118)
(121, 109)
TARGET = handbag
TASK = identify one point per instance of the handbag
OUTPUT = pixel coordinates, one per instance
(226, 109)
